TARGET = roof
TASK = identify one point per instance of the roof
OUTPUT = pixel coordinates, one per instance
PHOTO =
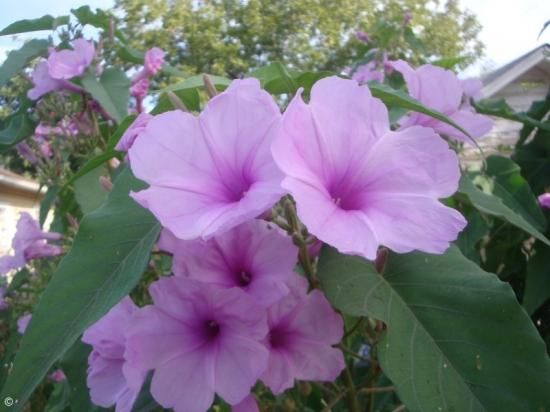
(15, 181)
(533, 66)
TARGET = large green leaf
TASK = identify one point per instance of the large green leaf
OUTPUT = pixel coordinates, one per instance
(468, 239)
(537, 282)
(393, 97)
(111, 91)
(88, 192)
(456, 338)
(108, 257)
(534, 160)
(46, 22)
(18, 127)
(511, 187)
(75, 364)
(494, 206)
(18, 59)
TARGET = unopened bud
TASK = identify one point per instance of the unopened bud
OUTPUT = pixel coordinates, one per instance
(176, 101)
(114, 163)
(209, 86)
(105, 183)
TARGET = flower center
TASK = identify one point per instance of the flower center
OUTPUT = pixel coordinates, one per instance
(244, 278)
(278, 338)
(211, 329)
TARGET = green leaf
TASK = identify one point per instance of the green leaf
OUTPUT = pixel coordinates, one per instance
(111, 91)
(276, 79)
(456, 338)
(537, 111)
(537, 282)
(511, 187)
(88, 192)
(108, 257)
(534, 160)
(130, 55)
(46, 22)
(468, 239)
(195, 82)
(189, 97)
(18, 128)
(17, 60)
(500, 108)
(99, 19)
(75, 364)
(494, 206)
(392, 97)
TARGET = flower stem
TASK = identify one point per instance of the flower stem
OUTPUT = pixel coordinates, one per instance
(352, 393)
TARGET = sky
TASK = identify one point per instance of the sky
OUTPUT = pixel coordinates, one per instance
(510, 27)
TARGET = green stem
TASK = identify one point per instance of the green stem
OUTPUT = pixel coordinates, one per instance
(352, 393)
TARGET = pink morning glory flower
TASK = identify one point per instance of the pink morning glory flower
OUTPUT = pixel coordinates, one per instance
(248, 405)
(29, 243)
(211, 172)
(153, 61)
(133, 131)
(23, 322)
(440, 89)
(43, 82)
(544, 200)
(26, 152)
(66, 64)
(302, 329)
(199, 339)
(471, 89)
(255, 256)
(368, 72)
(111, 379)
(358, 185)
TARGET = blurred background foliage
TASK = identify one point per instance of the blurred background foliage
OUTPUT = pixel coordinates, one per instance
(228, 37)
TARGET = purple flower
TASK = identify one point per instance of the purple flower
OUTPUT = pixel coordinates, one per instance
(440, 89)
(154, 59)
(407, 17)
(254, 256)
(29, 243)
(248, 405)
(43, 82)
(210, 173)
(302, 329)
(358, 185)
(26, 152)
(200, 339)
(544, 200)
(362, 36)
(57, 376)
(471, 89)
(368, 72)
(23, 322)
(66, 64)
(111, 379)
(133, 131)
